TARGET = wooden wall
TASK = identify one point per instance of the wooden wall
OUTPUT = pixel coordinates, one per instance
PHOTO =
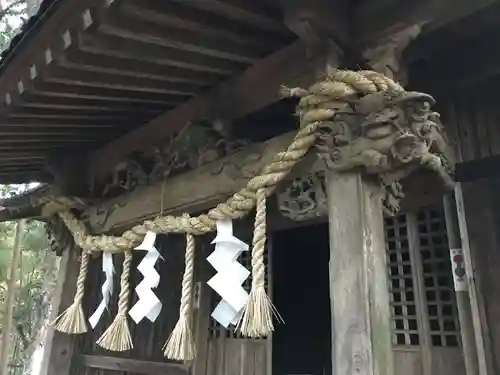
(471, 117)
(148, 338)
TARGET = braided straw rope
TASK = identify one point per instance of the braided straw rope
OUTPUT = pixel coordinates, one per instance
(117, 337)
(257, 318)
(73, 320)
(180, 345)
(318, 103)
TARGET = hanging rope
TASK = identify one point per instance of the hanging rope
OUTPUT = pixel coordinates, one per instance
(117, 337)
(318, 103)
(180, 345)
(73, 319)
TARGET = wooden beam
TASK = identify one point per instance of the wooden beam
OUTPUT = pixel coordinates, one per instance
(374, 21)
(132, 28)
(82, 77)
(66, 90)
(255, 89)
(182, 193)
(58, 346)
(122, 48)
(257, 14)
(180, 14)
(478, 169)
(130, 66)
(131, 365)
(473, 62)
(316, 21)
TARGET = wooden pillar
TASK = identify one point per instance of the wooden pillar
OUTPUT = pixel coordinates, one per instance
(462, 295)
(58, 347)
(358, 277)
(11, 293)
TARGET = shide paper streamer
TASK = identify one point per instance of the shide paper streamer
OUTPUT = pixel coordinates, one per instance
(230, 276)
(148, 306)
(107, 288)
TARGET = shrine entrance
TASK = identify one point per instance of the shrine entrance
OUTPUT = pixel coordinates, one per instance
(301, 294)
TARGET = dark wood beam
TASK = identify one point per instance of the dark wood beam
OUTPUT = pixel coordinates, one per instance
(256, 88)
(131, 365)
(253, 13)
(375, 21)
(315, 21)
(473, 61)
(24, 177)
(130, 66)
(473, 170)
(114, 46)
(36, 100)
(132, 28)
(180, 14)
(67, 90)
(83, 77)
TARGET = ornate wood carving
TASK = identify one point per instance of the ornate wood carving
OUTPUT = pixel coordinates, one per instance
(304, 197)
(196, 145)
(389, 137)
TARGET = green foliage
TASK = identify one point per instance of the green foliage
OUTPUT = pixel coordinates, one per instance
(36, 280)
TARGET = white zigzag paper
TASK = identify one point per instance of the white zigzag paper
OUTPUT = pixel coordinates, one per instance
(230, 274)
(148, 305)
(106, 289)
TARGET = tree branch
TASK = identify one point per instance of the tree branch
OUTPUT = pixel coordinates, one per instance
(8, 10)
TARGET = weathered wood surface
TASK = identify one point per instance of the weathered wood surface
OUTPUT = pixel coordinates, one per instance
(479, 222)
(256, 88)
(148, 338)
(463, 298)
(131, 365)
(358, 278)
(59, 346)
(190, 192)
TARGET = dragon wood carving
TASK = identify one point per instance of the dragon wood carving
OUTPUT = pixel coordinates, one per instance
(388, 136)
(196, 145)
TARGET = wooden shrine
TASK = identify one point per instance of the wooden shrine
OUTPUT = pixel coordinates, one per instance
(345, 153)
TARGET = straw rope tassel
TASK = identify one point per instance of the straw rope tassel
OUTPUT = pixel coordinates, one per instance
(117, 337)
(257, 319)
(73, 319)
(180, 345)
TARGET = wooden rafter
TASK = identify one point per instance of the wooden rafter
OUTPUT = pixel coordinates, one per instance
(255, 89)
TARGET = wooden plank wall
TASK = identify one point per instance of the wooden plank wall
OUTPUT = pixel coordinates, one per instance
(471, 117)
(148, 338)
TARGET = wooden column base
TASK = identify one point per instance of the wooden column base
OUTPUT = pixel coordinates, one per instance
(361, 338)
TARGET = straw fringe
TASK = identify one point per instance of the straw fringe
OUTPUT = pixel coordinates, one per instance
(73, 320)
(117, 337)
(257, 318)
(180, 345)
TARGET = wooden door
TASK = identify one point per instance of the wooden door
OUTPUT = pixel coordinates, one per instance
(424, 318)
(226, 352)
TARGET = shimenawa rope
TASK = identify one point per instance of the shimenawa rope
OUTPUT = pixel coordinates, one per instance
(318, 103)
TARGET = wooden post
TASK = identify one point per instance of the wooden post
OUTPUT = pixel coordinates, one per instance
(58, 347)
(463, 298)
(9, 303)
(474, 211)
(358, 277)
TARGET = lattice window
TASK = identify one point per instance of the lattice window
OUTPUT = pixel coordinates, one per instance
(216, 330)
(402, 295)
(438, 279)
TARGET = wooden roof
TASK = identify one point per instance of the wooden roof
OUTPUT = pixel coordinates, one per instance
(112, 66)
(100, 78)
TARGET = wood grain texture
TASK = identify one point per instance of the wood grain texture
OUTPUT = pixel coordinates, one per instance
(358, 278)
(189, 192)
